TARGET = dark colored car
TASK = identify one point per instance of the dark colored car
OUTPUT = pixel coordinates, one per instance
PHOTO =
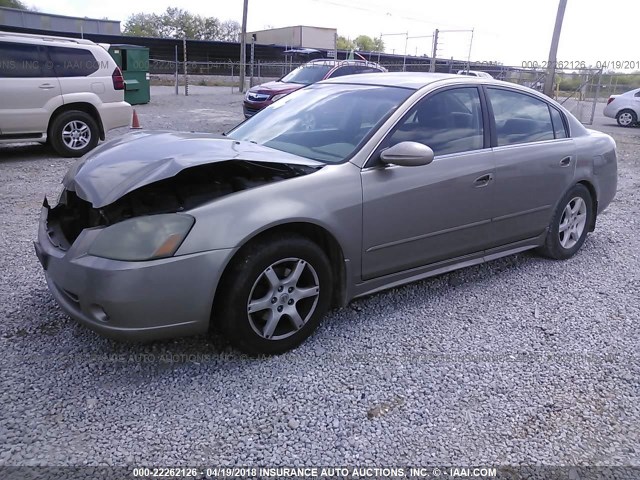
(263, 95)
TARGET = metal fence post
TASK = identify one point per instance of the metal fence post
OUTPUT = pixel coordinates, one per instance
(595, 100)
(176, 70)
(253, 49)
(186, 77)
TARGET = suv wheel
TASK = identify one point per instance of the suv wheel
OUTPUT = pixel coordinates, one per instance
(73, 133)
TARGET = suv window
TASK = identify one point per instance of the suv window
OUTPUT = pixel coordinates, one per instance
(448, 122)
(72, 62)
(19, 60)
(520, 118)
(346, 70)
(367, 70)
(307, 74)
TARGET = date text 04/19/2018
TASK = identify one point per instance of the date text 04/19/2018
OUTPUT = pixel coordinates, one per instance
(583, 64)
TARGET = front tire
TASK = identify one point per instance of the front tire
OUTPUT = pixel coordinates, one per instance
(570, 224)
(274, 295)
(73, 133)
(626, 118)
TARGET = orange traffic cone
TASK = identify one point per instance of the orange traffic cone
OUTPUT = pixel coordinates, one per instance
(135, 123)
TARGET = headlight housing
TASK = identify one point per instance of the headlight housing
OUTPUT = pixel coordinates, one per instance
(143, 238)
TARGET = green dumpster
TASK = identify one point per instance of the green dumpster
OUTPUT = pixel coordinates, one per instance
(133, 60)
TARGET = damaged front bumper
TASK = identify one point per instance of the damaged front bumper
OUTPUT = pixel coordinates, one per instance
(135, 301)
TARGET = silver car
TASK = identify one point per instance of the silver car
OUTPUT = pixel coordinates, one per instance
(339, 190)
(624, 108)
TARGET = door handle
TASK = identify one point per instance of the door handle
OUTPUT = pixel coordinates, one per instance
(46, 86)
(483, 181)
(565, 162)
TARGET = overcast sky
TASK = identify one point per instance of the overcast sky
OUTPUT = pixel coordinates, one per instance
(508, 31)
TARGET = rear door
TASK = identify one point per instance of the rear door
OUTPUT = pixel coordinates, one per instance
(29, 89)
(535, 163)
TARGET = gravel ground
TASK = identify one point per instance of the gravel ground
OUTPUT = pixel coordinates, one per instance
(519, 361)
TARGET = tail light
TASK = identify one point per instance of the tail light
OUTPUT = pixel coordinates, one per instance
(610, 100)
(118, 79)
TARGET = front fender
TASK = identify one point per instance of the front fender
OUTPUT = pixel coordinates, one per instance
(330, 198)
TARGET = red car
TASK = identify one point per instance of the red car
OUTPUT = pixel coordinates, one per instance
(261, 96)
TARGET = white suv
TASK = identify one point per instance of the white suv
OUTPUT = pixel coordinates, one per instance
(64, 91)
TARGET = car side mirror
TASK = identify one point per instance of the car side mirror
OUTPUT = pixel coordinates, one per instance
(407, 154)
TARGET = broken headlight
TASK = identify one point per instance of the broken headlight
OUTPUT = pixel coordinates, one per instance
(143, 238)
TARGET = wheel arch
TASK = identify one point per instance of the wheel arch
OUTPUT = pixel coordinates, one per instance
(313, 232)
(85, 107)
(594, 201)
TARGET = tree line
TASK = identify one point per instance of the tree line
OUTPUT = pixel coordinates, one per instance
(178, 23)
(13, 4)
(362, 42)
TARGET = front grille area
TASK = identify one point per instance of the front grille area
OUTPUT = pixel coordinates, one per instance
(257, 97)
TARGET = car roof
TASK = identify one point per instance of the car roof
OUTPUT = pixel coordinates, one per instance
(419, 80)
(50, 39)
(333, 61)
(413, 80)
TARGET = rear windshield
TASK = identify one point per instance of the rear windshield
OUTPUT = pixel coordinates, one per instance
(307, 74)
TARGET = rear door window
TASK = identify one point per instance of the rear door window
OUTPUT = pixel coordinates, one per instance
(520, 118)
(20, 60)
(72, 62)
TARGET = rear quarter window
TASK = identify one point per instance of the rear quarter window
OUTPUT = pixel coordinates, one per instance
(558, 124)
(73, 62)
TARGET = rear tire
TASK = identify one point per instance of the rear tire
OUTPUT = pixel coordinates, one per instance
(569, 225)
(626, 118)
(274, 295)
(73, 133)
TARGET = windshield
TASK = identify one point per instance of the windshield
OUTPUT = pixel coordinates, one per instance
(307, 74)
(323, 122)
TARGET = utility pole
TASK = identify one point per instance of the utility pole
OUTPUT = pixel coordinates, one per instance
(432, 67)
(243, 45)
(553, 51)
(406, 44)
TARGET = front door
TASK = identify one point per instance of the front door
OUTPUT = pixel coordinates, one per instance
(415, 216)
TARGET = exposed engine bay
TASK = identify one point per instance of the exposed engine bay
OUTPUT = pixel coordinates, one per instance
(188, 189)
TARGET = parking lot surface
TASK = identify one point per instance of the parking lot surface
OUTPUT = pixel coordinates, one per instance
(523, 360)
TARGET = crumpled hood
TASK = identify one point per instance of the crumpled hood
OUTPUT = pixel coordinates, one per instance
(137, 159)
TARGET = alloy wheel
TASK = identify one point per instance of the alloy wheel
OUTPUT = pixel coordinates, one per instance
(572, 222)
(76, 135)
(283, 298)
